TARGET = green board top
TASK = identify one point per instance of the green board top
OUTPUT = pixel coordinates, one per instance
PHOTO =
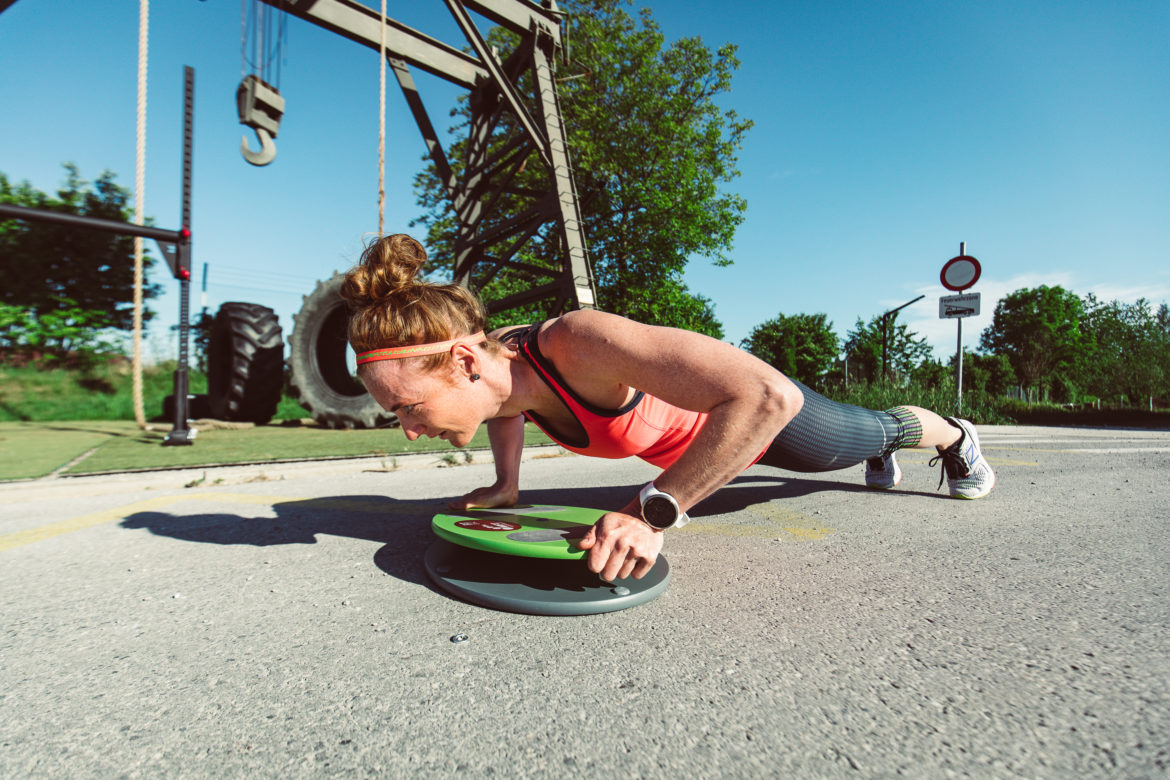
(526, 531)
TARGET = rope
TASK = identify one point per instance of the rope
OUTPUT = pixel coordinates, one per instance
(243, 39)
(382, 124)
(139, 207)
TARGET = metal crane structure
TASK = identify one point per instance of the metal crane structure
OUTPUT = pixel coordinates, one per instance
(495, 87)
(514, 117)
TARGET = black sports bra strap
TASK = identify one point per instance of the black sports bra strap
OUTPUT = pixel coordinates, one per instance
(519, 334)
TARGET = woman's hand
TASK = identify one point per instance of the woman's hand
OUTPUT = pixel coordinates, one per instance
(506, 435)
(620, 545)
(496, 495)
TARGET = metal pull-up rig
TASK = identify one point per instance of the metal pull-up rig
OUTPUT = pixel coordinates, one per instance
(175, 246)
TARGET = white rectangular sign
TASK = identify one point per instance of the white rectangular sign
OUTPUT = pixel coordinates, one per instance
(952, 306)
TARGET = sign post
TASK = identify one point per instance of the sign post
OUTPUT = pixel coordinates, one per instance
(958, 274)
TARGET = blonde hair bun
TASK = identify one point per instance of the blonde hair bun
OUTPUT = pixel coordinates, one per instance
(389, 307)
(388, 266)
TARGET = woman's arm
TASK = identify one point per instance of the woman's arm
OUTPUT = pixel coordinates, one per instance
(506, 435)
(747, 403)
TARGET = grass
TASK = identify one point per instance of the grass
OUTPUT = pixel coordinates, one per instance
(50, 417)
(978, 407)
(984, 409)
(102, 392)
(36, 449)
(29, 450)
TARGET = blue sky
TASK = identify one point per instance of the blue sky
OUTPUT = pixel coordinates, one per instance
(885, 134)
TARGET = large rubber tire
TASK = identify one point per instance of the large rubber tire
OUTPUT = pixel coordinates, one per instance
(245, 363)
(319, 366)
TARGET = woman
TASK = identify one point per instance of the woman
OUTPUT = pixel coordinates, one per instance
(603, 385)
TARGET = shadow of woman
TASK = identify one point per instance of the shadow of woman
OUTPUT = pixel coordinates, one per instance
(402, 527)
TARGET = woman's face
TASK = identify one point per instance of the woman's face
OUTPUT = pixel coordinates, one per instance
(434, 404)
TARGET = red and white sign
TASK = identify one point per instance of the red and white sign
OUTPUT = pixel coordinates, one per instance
(960, 272)
(489, 525)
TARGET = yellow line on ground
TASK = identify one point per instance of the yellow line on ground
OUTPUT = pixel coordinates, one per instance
(377, 506)
(764, 521)
(21, 538)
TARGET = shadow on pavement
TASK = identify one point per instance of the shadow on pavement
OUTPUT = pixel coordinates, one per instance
(404, 527)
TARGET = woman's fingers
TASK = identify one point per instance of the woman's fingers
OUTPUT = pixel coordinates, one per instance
(488, 497)
(620, 546)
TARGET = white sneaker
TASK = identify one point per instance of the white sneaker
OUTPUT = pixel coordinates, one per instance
(966, 470)
(882, 473)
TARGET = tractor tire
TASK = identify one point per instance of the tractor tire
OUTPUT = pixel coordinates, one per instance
(319, 364)
(245, 363)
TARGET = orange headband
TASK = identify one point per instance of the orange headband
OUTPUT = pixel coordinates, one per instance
(416, 350)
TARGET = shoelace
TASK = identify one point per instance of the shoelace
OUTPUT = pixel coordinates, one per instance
(953, 464)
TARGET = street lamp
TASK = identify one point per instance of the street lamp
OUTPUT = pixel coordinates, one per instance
(885, 327)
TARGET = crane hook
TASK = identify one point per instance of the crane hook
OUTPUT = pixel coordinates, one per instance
(260, 107)
(267, 151)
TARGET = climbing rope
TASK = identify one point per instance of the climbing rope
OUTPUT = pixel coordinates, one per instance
(382, 124)
(139, 208)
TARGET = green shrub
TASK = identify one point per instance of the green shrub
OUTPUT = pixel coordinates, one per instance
(978, 407)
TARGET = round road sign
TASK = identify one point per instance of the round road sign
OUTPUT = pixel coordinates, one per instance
(960, 272)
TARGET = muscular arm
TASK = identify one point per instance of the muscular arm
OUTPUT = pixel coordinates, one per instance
(746, 400)
(747, 403)
(506, 435)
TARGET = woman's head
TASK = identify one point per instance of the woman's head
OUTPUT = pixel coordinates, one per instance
(389, 307)
(432, 394)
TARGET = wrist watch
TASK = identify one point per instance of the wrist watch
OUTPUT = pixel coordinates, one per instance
(660, 510)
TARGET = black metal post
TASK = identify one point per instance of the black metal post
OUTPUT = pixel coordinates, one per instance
(181, 435)
(90, 223)
(885, 338)
(885, 328)
(959, 352)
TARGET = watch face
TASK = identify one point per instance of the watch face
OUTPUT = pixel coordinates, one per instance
(659, 512)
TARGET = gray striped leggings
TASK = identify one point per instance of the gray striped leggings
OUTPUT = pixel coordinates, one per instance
(826, 435)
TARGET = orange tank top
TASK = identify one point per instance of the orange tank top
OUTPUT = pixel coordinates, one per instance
(646, 427)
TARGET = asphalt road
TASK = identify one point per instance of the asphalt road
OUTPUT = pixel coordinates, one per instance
(277, 622)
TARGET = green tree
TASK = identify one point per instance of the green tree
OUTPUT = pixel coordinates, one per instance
(49, 268)
(991, 374)
(1039, 330)
(1129, 349)
(904, 350)
(801, 346)
(1162, 328)
(931, 374)
(67, 329)
(652, 151)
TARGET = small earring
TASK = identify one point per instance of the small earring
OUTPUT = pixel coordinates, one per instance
(475, 377)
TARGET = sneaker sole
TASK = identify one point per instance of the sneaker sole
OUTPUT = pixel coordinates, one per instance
(975, 435)
(984, 494)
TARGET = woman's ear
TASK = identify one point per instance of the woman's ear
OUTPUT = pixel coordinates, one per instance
(465, 360)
